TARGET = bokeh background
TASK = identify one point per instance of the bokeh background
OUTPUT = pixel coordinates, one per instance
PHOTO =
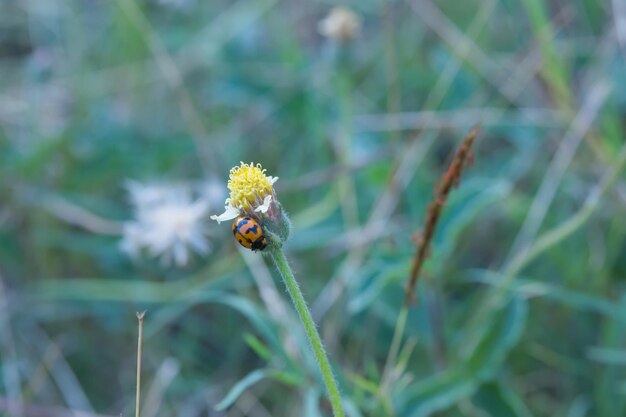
(520, 308)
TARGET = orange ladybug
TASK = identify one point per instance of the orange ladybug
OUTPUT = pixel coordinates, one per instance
(249, 233)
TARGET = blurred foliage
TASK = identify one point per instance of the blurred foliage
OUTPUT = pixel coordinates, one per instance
(519, 314)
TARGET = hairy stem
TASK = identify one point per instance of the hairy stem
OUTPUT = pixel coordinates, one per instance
(280, 261)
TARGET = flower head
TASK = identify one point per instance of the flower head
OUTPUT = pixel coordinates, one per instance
(248, 184)
(251, 191)
(252, 195)
(168, 223)
(341, 24)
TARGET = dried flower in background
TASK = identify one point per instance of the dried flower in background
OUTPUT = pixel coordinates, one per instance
(340, 25)
(168, 222)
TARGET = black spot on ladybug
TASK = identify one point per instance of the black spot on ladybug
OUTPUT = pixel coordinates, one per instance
(259, 244)
(254, 229)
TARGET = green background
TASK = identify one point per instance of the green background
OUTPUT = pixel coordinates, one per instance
(518, 313)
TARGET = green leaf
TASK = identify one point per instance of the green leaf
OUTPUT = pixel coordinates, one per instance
(254, 377)
(463, 378)
(257, 317)
(497, 400)
(578, 301)
(287, 377)
(311, 404)
(616, 357)
(464, 206)
(238, 389)
(350, 408)
(258, 346)
(366, 294)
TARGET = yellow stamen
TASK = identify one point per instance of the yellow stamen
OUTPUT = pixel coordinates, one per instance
(247, 184)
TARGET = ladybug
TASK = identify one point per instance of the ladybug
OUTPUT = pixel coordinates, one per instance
(249, 233)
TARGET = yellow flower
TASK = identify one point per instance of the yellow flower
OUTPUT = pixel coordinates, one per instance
(247, 184)
(251, 190)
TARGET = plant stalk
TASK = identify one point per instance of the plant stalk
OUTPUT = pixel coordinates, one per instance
(293, 288)
(140, 317)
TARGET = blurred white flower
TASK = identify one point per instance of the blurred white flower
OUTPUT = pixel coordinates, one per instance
(168, 223)
(341, 24)
(212, 190)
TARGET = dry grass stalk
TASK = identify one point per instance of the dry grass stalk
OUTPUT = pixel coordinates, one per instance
(140, 317)
(449, 180)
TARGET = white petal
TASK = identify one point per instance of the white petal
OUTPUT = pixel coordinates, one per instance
(181, 256)
(199, 208)
(265, 206)
(131, 242)
(199, 243)
(229, 213)
(273, 180)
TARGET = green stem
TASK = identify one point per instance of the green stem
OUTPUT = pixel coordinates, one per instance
(309, 326)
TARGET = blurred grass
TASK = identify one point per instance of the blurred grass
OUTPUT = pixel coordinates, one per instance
(95, 93)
